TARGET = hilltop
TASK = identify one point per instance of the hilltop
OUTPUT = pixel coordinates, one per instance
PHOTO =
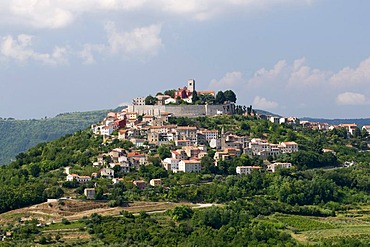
(263, 178)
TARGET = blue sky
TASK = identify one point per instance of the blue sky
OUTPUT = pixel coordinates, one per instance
(293, 57)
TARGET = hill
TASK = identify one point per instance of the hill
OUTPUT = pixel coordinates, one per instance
(19, 135)
(359, 121)
(266, 113)
(304, 204)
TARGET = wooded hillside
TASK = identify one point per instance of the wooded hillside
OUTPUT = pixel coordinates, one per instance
(19, 135)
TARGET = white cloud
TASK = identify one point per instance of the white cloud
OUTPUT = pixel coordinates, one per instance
(61, 13)
(87, 52)
(349, 98)
(230, 80)
(143, 40)
(207, 9)
(139, 43)
(40, 14)
(297, 85)
(263, 76)
(352, 76)
(299, 75)
(117, 4)
(20, 49)
(295, 75)
(263, 103)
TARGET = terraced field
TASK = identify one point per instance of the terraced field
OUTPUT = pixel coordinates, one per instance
(351, 224)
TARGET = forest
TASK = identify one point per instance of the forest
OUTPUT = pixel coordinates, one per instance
(19, 135)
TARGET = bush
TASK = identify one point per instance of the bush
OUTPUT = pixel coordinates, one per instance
(65, 221)
(112, 203)
(42, 240)
(181, 213)
(57, 237)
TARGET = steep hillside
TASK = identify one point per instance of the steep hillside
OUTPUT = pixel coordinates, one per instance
(19, 135)
(37, 172)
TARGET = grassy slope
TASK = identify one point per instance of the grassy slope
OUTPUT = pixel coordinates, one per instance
(312, 230)
(19, 135)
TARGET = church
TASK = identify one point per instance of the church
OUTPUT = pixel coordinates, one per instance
(186, 93)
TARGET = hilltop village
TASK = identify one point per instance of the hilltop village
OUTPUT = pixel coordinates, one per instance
(188, 144)
(184, 146)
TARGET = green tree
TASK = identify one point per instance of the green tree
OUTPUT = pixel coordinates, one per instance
(357, 132)
(155, 161)
(57, 237)
(245, 126)
(220, 98)
(208, 166)
(65, 221)
(150, 100)
(205, 99)
(43, 240)
(230, 96)
(170, 93)
(164, 152)
(195, 97)
(35, 170)
(181, 213)
(364, 133)
(53, 192)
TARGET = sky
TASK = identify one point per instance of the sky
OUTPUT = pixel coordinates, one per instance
(303, 58)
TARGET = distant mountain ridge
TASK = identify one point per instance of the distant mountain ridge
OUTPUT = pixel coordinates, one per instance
(359, 121)
(19, 135)
(266, 113)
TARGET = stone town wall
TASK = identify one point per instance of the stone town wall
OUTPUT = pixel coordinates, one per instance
(183, 110)
(155, 110)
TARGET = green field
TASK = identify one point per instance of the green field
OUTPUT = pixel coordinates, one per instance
(303, 223)
(334, 230)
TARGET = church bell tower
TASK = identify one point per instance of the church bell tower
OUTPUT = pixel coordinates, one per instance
(191, 85)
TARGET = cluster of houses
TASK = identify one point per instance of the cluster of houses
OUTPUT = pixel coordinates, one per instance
(187, 159)
(351, 128)
(141, 184)
(264, 149)
(190, 141)
(245, 170)
(281, 120)
(113, 121)
(191, 145)
(104, 172)
(108, 163)
(121, 160)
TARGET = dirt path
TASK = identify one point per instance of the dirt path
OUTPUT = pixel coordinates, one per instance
(72, 210)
